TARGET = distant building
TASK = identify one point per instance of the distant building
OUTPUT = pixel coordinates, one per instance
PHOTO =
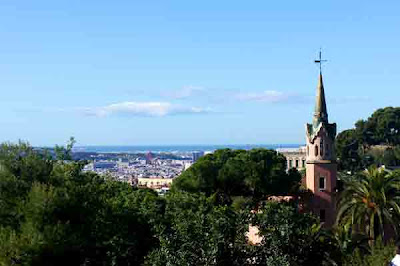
(132, 181)
(154, 183)
(149, 158)
(295, 158)
(186, 165)
(89, 167)
(196, 155)
(104, 165)
(123, 163)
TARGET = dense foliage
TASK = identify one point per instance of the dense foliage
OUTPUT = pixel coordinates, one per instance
(372, 141)
(380, 254)
(370, 203)
(254, 174)
(368, 216)
(53, 213)
(382, 127)
(292, 238)
(198, 232)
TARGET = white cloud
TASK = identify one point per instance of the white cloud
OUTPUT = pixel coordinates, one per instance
(349, 99)
(143, 109)
(184, 92)
(266, 96)
(271, 96)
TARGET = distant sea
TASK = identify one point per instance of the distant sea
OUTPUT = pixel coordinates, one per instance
(177, 148)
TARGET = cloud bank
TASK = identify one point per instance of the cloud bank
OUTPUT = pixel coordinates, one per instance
(269, 96)
(155, 109)
(184, 92)
(272, 96)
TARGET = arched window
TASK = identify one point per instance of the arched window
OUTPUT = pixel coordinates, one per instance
(322, 215)
(316, 150)
(308, 150)
(321, 147)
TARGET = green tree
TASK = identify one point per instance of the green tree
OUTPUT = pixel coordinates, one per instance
(383, 156)
(58, 215)
(65, 153)
(385, 125)
(196, 232)
(347, 150)
(291, 238)
(380, 254)
(234, 173)
(349, 241)
(370, 202)
(20, 167)
(355, 147)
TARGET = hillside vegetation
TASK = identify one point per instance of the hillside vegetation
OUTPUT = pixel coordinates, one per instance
(52, 213)
(372, 141)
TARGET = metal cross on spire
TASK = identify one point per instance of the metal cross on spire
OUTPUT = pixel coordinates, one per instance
(320, 61)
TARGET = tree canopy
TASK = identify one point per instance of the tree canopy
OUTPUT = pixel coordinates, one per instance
(200, 233)
(51, 213)
(372, 141)
(382, 127)
(233, 173)
(370, 202)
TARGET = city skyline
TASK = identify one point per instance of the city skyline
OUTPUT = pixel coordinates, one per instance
(187, 73)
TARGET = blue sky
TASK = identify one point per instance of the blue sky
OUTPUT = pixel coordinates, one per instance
(191, 72)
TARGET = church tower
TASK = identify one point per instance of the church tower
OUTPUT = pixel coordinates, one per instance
(321, 168)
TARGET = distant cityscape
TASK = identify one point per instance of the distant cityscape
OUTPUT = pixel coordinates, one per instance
(159, 165)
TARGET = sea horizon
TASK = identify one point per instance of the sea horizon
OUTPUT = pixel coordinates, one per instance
(175, 148)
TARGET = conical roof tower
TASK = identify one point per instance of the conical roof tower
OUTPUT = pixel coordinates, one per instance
(321, 167)
(320, 118)
(320, 113)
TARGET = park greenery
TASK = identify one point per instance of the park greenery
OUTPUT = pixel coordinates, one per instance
(54, 213)
(375, 141)
(232, 176)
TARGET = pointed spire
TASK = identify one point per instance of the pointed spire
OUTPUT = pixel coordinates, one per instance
(320, 113)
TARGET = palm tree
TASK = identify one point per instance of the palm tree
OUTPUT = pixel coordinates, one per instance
(348, 241)
(371, 202)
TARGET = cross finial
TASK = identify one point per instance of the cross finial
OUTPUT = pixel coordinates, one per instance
(320, 61)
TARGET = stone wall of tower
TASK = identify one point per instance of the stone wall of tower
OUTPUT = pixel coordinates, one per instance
(321, 148)
(321, 174)
(323, 199)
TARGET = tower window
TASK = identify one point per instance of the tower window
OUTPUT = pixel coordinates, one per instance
(322, 215)
(308, 150)
(321, 147)
(297, 163)
(290, 163)
(316, 150)
(303, 163)
(322, 183)
(327, 149)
